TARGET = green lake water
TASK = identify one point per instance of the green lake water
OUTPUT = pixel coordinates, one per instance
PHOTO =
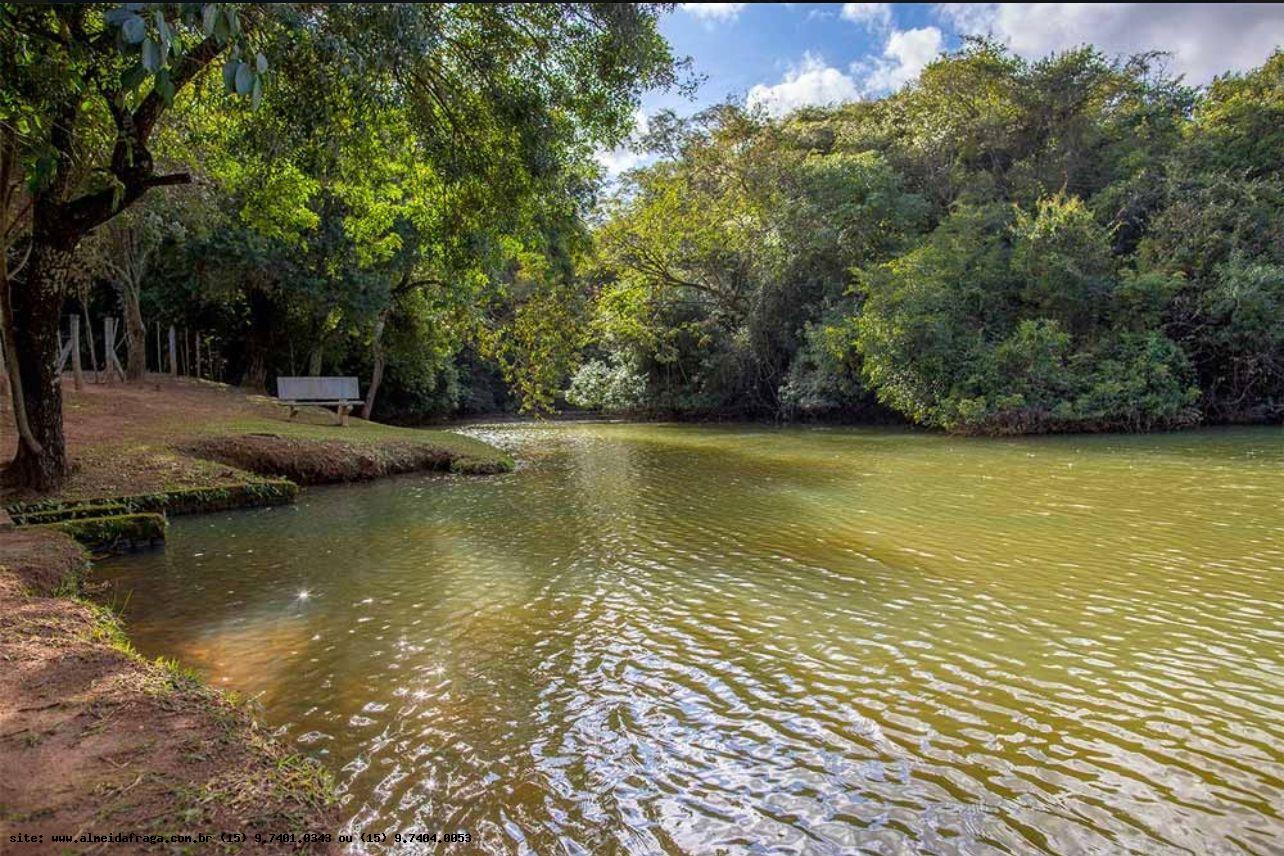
(664, 639)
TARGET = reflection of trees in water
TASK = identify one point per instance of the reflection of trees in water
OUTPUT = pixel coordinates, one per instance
(698, 609)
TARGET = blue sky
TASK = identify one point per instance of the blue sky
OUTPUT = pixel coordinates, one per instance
(783, 55)
(760, 43)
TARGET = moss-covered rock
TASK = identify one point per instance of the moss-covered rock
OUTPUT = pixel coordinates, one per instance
(115, 534)
(77, 512)
(193, 500)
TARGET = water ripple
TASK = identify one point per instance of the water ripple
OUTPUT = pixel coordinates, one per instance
(654, 639)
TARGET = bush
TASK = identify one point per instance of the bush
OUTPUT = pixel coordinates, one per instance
(611, 387)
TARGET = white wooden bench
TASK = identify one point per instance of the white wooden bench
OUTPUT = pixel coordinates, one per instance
(340, 392)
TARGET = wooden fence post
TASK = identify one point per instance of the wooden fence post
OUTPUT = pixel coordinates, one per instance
(173, 353)
(64, 351)
(76, 372)
(89, 343)
(4, 378)
(107, 339)
(109, 349)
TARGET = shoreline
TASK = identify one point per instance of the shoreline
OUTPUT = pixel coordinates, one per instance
(114, 742)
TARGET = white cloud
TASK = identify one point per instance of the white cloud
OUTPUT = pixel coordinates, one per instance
(623, 157)
(871, 15)
(809, 82)
(906, 54)
(713, 11)
(1204, 39)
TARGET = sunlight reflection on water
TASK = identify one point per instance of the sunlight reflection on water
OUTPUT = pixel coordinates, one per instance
(686, 639)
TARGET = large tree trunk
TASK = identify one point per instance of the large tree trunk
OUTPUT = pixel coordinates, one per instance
(12, 378)
(135, 334)
(376, 374)
(37, 306)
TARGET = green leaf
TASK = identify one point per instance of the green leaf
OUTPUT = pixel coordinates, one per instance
(165, 86)
(209, 14)
(134, 29)
(244, 79)
(151, 55)
(256, 96)
(229, 74)
(260, 62)
(133, 77)
(221, 31)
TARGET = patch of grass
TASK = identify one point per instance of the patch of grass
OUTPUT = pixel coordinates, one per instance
(108, 628)
(482, 466)
(178, 676)
(358, 432)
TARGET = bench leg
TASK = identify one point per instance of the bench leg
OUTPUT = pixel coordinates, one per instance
(293, 411)
(343, 416)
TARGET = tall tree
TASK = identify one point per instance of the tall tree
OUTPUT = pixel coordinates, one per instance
(488, 87)
(121, 252)
(85, 86)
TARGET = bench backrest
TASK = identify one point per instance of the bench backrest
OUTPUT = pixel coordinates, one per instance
(316, 388)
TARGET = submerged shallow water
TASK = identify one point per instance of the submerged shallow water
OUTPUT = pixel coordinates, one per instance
(703, 639)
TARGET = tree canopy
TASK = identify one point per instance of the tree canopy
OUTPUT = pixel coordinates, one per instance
(1075, 243)
(373, 160)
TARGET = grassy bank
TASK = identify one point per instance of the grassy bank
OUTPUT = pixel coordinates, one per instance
(112, 742)
(166, 435)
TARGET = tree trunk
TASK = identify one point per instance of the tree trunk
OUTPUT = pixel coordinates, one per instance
(255, 375)
(135, 334)
(314, 360)
(376, 374)
(37, 306)
(258, 341)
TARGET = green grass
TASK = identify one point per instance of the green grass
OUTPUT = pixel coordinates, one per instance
(357, 432)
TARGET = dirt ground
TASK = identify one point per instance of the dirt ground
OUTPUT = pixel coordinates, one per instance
(96, 740)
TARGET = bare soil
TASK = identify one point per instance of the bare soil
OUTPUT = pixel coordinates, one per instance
(96, 740)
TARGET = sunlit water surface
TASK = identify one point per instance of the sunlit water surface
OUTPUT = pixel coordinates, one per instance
(700, 639)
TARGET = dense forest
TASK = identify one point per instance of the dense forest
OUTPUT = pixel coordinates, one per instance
(409, 194)
(1077, 243)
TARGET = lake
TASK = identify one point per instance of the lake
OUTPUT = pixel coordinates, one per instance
(665, 639)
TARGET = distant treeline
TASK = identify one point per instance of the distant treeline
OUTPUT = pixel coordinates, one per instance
(1003, 246)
